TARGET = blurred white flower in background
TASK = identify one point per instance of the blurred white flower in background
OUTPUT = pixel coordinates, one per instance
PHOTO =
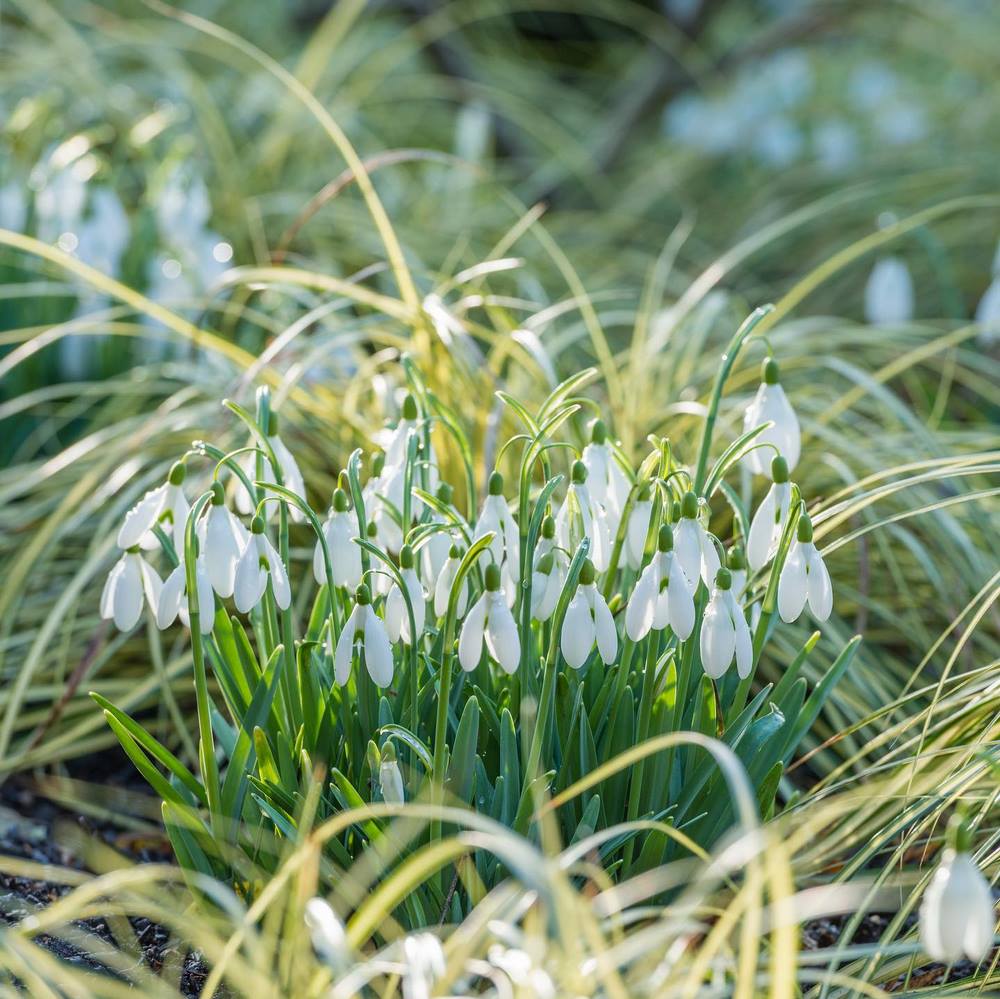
(889, 293)
(988, 309)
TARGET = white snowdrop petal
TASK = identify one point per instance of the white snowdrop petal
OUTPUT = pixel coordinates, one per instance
(577, 635)
(221, 548)
(512, 544)
(250, 580)
(279, 578)
(442, 587)
(470, 640)
(141, 518)
(345, 644)
(344, 553)
(744, 640)
(605, 630)
(642, 604)
(635, 534)
(391, 782)
(206, 599)
(785, 434)
(762, 529)
(418, 600)
(680, 602)
(395, 612)
(979, 909)
(179, 508)
(151, 582)
(501, 636)
(792, 585)
(819, 587)
(319, 560)
(687, 549)
(378, 651)
(710, 563)
(595, 459)
(110, 584)
(170, 598)
(290, 474)
(718, 638)
(889, 293)
(128, 593)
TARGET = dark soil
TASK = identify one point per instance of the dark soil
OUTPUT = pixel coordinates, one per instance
(34, 828)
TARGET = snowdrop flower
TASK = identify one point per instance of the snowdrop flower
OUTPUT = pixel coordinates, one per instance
(988, 310)
(606, 481)
(397, 620)
(434, 553)
(888, 295)
(519, 967)
(634, 545)
(504, 548)
(581, 517)
(165, 505)
(131, 579)
(737, 565)
(771, 405)
(768, 521)
(588, 620)
(291, 477)
(804, 578)
(724, 631)
(259, 562)
(389, 778)
(340, 530)
(491, 618)
(365, 628)
(662, 596)
(173, 598)
(444, 581)
(694, 546)
(548, 572)
(221, 539)
(329, 938)
(424, 963)
(957, 916)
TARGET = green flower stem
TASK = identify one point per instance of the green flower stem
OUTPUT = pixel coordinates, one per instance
(208, 764)
(728, 360)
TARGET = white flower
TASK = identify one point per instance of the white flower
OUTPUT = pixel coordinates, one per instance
(505, 546)
(384, 503)
(581, 517)
(957, 916)
(397, 620)
(221, 538)
(694, 546)
(547, 579)
(131, 579)
(988, 312)
(443, 584)
(519, 967)
(291, 477)
(662, 596)
(339, 530)
(634, 545)
(888, 294)
(326, 931)
(588, 620)
(259, 562)
(771, 405)
(389, 777)
(724, 632)
(804, 578)
(173, 598)
(606, 481)
(424, 963)
(490, 617)
(768, 521)
(364, 627)
(165, 505)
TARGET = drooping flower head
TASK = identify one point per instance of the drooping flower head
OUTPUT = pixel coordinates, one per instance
(131, 582)
(957, 915)
(548, 572)
(606, 481)
(771, 405)
(889, 293)
(173, 597)
(588, 620)
(490, 618)
(804, 578)
(365, 631)
(634, 545)
(693, 545)
(389, 777)
(504, 549)
(443, 583)
(581, 517)
(724, 631)
(662, 595)
(221, 538)
(769, 520)
(260, 562)
(339, 530)
(165, 506)
(397, 620)
(291, 477)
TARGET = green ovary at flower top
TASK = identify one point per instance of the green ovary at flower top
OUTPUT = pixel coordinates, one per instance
(587, 602)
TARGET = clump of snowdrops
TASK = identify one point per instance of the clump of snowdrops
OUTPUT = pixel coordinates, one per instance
(576, 647)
